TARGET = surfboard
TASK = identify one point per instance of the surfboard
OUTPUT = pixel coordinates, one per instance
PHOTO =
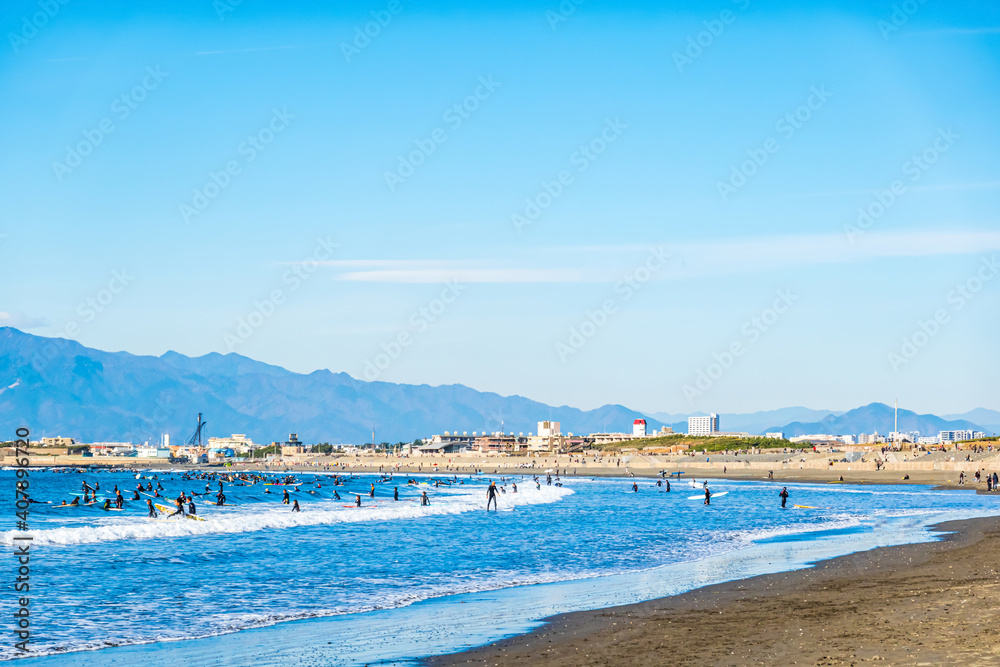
(702, 495)
(806, 507)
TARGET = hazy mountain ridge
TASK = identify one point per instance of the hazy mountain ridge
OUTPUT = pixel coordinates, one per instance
(64, 388)
(59, 387)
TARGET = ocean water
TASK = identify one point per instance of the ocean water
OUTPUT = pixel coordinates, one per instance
(394, 581)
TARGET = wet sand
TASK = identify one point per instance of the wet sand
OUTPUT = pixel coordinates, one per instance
(924, 604)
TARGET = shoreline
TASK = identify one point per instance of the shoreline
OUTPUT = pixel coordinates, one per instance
(890, 604)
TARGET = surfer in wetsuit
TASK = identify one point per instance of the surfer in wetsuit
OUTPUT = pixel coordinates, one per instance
(192, 510)
(107, 504)
(424, 500)
(284, 498)
(295, 506)
(135, 495)
(668, 486)
(119, 501)
(491, 496)
(75, 501)
(783, 495)
(336, 496)
(152, 510)
(357, 500)
(708, 496)
(395, 493)
(635, 488)
(371, 494)
(179, 504)
(221, 498)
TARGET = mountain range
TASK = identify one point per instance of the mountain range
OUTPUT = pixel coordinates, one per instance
(57, 386)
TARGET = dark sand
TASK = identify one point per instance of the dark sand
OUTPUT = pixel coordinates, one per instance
(935, 603)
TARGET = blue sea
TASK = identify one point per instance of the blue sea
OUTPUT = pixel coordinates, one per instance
(255, 583)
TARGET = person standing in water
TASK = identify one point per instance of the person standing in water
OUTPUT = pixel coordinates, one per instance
(357, 500)
(783, 495)
(152, 510)
(491, 496)
(708, 496)
(295, 506)
(635, 488)
(395, 493)
(284, 498)
(371, 494)
(424, 500)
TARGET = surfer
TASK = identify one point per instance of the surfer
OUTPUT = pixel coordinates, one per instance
(295, 506)
(424, 500)
(152, 510)
(135, 495)
(179, 504)
(336, 496)
(284, 497)
(668, 486)
(491, 496)
(708, 496)
(107, 504)
(357, 499)
(783, 495)
(514, 484)
(395, 493)
(75, 501)
(119, 501)
(192, 510)
(220, 498)
(635, 488)
(371, 494)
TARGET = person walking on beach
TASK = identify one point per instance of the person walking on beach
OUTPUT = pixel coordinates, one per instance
(491, 496)
(783, 495)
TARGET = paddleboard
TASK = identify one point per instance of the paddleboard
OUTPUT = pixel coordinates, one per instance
(702, 496)
(805, 507)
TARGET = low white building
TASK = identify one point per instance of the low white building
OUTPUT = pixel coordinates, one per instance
(152, 452)
(639, 428)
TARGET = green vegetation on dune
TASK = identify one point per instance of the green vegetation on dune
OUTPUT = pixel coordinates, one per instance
(698, 443)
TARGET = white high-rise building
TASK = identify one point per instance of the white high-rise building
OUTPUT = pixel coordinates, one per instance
(549, 429)
(703, 425)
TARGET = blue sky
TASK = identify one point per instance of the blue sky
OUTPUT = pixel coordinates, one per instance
(678, 196)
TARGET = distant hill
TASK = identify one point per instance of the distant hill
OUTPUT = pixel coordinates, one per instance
(876, 417)
(59, 387)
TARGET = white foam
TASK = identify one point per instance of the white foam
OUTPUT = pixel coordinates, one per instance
(252, 517)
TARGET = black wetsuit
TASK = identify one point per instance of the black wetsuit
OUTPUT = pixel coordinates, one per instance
(424, 500)
(784, 496)
(395, 493)
(491, 497)
(708, 497)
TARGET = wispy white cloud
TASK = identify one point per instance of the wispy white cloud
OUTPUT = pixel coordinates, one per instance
(462, 275)
(984, 185)
(985, 30)
(251, 49)
(688, 259)
(21, 321)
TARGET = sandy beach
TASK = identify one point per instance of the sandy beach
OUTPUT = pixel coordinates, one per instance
(924, 604)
